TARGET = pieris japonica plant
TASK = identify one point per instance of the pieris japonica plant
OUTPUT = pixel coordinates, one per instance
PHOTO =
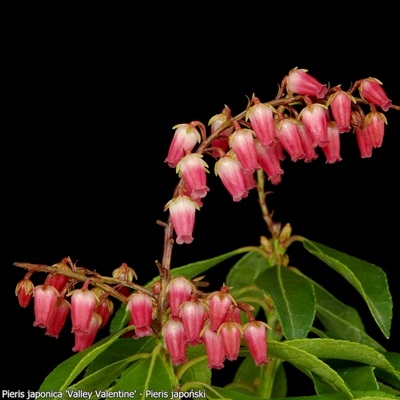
(169, 336)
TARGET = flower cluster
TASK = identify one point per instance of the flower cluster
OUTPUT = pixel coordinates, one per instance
(305, 116)
(189, 316)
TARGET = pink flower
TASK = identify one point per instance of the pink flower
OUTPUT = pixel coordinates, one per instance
(179, 290)
(185, 138)
(375, 123)
(300, 82)
(193, 315)
(268, 157)
(242, 143)
(219, 303)
(231, 174)
(287, 132)
(332, 148)
(261, 117)
(340, 104)
(314, 118)
(364, 140)
(231, 333)
(44, 301)
(371, 90)
(193, 169)
(83, 303)
(214, 348)
(255, 335)
(182, 210)
(83, 341)
(58, 317)
(306, 141)
(174, 336)
(140, 306)
(222, 141)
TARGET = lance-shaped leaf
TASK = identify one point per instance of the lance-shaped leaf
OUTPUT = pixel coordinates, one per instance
(309, 364)
(340, 320)
(368, 279)
(64, 374)
(346, 350)
(293, 298)
(145, 377)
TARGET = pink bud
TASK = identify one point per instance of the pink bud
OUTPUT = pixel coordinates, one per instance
(300, 82)
(371, 90)
(231, 334)
(261, 117)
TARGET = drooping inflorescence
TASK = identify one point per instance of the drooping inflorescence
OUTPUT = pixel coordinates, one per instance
(305, 116)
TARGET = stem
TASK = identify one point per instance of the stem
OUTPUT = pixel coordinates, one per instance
(267, 378)
(102, 282)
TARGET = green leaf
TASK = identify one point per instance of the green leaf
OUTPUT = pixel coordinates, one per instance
(120, 319)
(357, 377)
(60, 378)
(145, 377)
(198, 372)
(394, 359)
(119, 350)
(368, 279)
(102, 378)
(346, 350)
(340, 320)
(246, 270)
(199, 267)
(293, 298)
(309, 364)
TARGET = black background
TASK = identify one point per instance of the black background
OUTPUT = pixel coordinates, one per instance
(89, 117)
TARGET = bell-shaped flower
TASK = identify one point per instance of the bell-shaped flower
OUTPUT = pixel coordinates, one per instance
(314, 118)
(175, 341)
(83, 303)
(370, 89)
(332, 148)
(104, 307)
(288, 134)
(193, 314)
(364, 140)
(24, 292)
(58, 317)
(242, 143)
(182, 210)
(255, 335)
(340, 104)
(179, 290)
(214, 348)
(222, 141)
(375, 123)
(306, 141)
(186, 136)
(83, 341)
(230, 171)
(261, 117)
(44, 300)
(268, 157)
(219, 303)
(140, 306)
(300, 82)
(231, 333)
(193, 169)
